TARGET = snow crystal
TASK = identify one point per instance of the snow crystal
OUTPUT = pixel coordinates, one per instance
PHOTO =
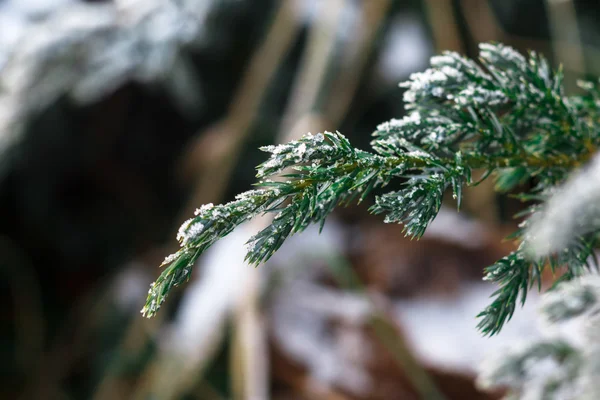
(489, 52)
(477, 96)
(419, 154)
(440, 60)
(250, 245)
(280, 149)
(189, 231)
(300, 150)
(195, 230)
(204, 209)
(438, 91)
(409, 96)
(272, 163)
(182, 229)
(169, 259)
(431, 79)
(451, 72)
(413, 118)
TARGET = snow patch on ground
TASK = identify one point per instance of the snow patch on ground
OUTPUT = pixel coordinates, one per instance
(442, 332)
(453, 227)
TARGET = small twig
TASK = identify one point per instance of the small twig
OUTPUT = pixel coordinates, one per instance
(249, 380)
(481, 22)
(345, 86)
(443, 25)
(566, 41)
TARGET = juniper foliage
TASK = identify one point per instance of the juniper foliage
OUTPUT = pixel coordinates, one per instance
(507, 115)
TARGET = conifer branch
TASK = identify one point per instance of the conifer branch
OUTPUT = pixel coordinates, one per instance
(508, 116)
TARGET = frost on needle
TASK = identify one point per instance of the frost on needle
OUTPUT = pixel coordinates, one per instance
(460, 115)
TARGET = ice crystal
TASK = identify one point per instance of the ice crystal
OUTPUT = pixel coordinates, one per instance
(204, 209)
(182, 232)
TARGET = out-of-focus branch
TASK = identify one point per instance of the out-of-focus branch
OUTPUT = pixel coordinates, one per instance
(565, 38)
(249, 355)
(344, 87)
(212, 158)
(314, 66)
(481, 21)
(443, 25)
(564, 32)
(86, 51)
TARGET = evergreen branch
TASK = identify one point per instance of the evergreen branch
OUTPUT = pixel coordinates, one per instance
(514, 273)
(329, 171)
(509, 117)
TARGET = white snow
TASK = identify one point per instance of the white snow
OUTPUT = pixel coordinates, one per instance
(451, 226)
(442, 331)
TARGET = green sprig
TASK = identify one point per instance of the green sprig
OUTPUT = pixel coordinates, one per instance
(507, 115)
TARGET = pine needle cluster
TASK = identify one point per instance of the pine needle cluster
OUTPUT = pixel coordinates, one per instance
(507, 115)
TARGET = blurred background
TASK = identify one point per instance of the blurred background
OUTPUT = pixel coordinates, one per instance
(118, 118)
